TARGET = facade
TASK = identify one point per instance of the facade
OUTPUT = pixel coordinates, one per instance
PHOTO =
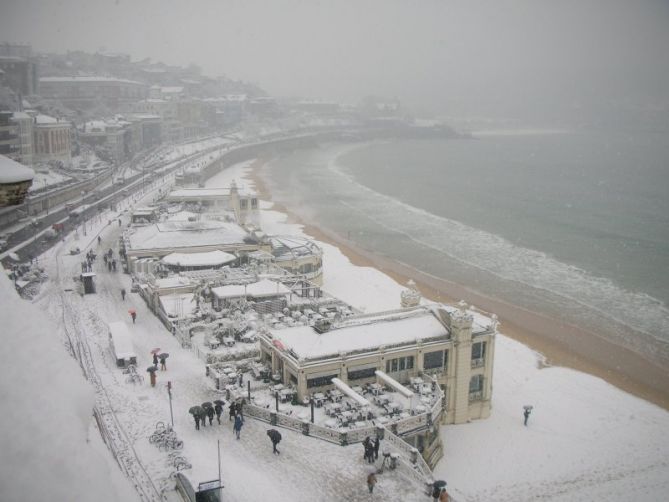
(10, 143)
(51, 140)
(172, 129)
(25, 132)
(87, 91)
(452, 345)
(113, 135)
(20, 74)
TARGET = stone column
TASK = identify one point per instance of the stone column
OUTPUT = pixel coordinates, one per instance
(461, 332)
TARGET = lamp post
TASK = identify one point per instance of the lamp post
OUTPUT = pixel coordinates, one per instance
(169, 393)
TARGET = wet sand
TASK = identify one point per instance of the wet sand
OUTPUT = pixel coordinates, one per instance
(561, 344)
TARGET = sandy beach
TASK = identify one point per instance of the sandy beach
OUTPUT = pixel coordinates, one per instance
(561, 344)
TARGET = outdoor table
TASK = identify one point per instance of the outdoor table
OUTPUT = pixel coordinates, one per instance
(286, 394)
(278, 387)
(383, 420)
(426, 389)
(331, 423)
(416, 380)
(395, 405)
(383, 398)
(357, 389)
(404, 414)
(336, 395)
(420, 409)
(375, 388)
(426, 399)
(303, 415)
(228, 341)
(360, 424)
(319, 397)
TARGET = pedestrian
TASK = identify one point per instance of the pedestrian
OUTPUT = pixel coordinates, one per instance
(99, 240)
(197, 422)
(241, 378)
(366, 445)
(104, 257)
(123, 293)
(155, 360)
(275, 437)
(376, 444)
(210, 414)
(232, 411)
(443, 496)
(153, 378)
(369, 453)
(114, 264)
(119, 222)
(109, 265)
(526, 414)
(371, 481)
(133, 314)
(218, 409)
(237, 428)
(240, 407)
(203, 418)
(163, 362)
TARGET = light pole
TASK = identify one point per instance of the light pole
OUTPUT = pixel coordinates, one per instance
(169, 393)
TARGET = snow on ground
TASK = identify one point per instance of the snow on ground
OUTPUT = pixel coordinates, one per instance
(585, 440)
(46, 179)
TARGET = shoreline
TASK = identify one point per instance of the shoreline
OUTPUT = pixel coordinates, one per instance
(561, 344)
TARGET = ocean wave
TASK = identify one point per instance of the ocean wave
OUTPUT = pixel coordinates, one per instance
(499, 257)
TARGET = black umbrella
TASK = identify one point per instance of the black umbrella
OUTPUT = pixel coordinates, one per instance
(207, 404)
(438, 485)
(151, 369)
(274, 435)
(219, 402)
(164, 355)
(196, 410)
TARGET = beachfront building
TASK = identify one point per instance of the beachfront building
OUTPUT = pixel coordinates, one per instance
(87, 91)
(144, 246)
(243, 207)
(453, 345)
(298, 256)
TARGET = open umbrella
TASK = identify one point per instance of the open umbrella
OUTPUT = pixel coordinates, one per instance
(219, 402)
(207, 404)
(151, 369)
(164, 355)
(132, 311)
(155, 351)
(196, 410)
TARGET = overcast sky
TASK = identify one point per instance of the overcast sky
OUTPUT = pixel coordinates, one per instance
(464, 57)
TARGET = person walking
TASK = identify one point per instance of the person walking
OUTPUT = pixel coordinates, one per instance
(376, 444)
(218, 409)
(123, 293)
(163, 362)
(443, 496)
(210, 414)
(232, 411)
(275, 437)
(197, 422)
(239, 421)
(371, 481)
(99, 240)
(526, 414)
(153, 378)
(133, 314)
(155, 360)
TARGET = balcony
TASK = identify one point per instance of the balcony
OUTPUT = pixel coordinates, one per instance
(476, 396)
(478, 362)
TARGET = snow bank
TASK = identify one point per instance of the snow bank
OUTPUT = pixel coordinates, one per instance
(46, 421)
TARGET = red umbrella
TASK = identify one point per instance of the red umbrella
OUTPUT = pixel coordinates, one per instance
(132, 311)
(155, 351)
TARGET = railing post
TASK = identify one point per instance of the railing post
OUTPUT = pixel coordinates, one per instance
(272, 418)
(380, 431)
(305, 428)
(414, 455)
(343, 438)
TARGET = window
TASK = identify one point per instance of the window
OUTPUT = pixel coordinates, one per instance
(433, 360)
(399, 364)
(445, 360)
(478, 354)
(320, 381)
(254, 203)
(243, 203)
(478, 350)
(476, 388)
(358, 374)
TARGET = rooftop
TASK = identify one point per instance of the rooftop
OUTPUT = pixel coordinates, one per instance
(88, 79)
(258, 289)
(210, 258)
(13, 172)
(185, 234)
(396, 328)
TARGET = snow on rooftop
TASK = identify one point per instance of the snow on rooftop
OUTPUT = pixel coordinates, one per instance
(178, 235)
(13, 172)
(46, 119)
(307, 343)
(176, 281)
(178, 305)
(258, 289)
(186, 193)
(207, 259)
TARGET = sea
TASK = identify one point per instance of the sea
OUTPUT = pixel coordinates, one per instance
(570, 224)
